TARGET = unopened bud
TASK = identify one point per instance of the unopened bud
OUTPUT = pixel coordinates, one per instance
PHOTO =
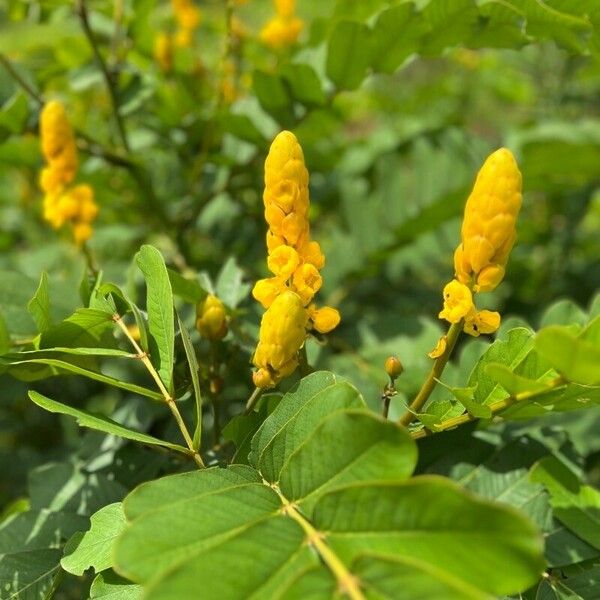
(393, 367)
(216, 385)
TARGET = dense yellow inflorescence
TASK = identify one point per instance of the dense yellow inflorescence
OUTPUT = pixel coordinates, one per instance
(488, 234)
(488, 230)
(284, 28)
(63, 204)
(188, 18)
(294, 260)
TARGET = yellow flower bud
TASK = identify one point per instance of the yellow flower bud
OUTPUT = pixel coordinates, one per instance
(282, 334)
(285, 8)
(488, 230)
(483, 321)
(211, 318)
(280, 32)
(324, 319)
(311, 253)
(393, 367)
(458, 302)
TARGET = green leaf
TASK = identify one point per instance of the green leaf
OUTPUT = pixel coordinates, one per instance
(15, 292)
(62, 366)
(576, 359)
(295, 416)
(348, 54)
(574, 504)
(85, 327)
(187, 289)
(516, 353)
(100, 422)
(229, 287)
(4, 337)
(465, 396)
(388, 49)
(190, 354)
(304, 84)
(514, 384)
(30, 551)
(274, 96)
(351, 466)
(14, 113)
(159, 304)
(93, 548)
(564, 399)
(39, 305)
(110, 586)
(379, 450)
(432, 521)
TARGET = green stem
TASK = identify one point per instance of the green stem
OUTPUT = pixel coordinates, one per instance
(109, 80)
(32, 93)
(348, 584)
(305, 368)
(170, 401)
(495, 408)
(254, 398)
(429, 384)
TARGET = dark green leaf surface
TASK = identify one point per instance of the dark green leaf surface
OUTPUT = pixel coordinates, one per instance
(100, 422)
(159, 304)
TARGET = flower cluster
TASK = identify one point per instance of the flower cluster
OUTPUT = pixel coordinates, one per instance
(487, 236)
(188, 16)
(62, 204)
(284, 28)
(294, 260)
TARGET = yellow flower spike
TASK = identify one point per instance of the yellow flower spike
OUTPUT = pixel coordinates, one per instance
(211, 318)
(58, 142)
(324, 319)
(439, 349)
(283, 261)
(285, 8)
(458, 302)
(488, 229)
(282, 334)
(284, 28)
(483, 321)
(295, 261)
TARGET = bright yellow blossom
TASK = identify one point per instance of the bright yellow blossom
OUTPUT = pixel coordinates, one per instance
(293, 258)
(488, 230)
(62, 204)
(458, 302)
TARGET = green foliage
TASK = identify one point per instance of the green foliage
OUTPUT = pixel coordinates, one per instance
(369, 461)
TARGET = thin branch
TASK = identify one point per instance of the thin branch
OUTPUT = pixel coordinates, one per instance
(33, 93)
(163, 390)
(429, 384)
(108, 79)
(495, 407)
